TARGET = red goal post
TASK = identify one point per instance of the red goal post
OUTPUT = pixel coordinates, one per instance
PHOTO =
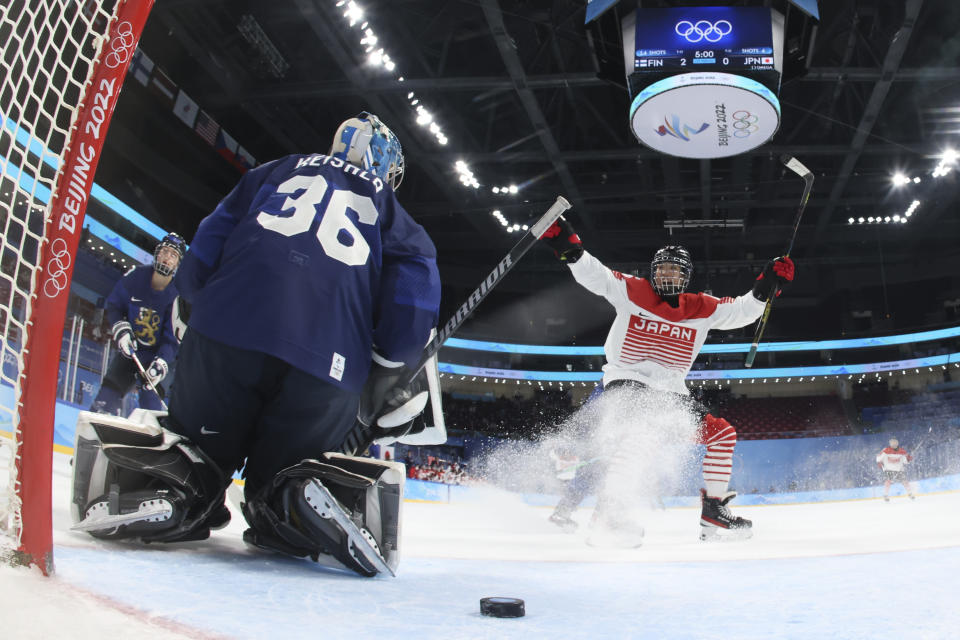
(64, 62)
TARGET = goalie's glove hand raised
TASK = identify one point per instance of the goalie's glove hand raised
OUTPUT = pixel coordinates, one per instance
(564, 241)
(387, 404)
(123, 338)
(157, 371)
(775, 276)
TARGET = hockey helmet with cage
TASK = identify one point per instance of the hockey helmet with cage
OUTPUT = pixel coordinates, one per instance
(894, 443)
(171, 241)
(364, 141)
(675, 283)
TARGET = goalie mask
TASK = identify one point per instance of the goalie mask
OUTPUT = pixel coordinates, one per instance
(894, 443)
(670, 271)
(168, 254)
(367, 143)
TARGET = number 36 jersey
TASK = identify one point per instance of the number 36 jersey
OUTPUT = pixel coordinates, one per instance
(313, 261)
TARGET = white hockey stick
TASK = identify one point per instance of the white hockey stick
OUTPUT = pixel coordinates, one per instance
(362, 435)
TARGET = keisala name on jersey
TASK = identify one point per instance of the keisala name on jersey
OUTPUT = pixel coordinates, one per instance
(318, 159)
(663, 329)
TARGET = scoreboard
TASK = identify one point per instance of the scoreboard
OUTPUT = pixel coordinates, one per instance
(703, 81)
(726, 39)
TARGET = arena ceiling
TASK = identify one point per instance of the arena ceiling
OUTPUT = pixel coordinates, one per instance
(514, 86)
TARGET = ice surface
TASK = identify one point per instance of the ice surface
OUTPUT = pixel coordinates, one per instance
(859, 569)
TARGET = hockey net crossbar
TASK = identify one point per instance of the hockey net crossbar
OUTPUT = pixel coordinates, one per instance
(62, 65)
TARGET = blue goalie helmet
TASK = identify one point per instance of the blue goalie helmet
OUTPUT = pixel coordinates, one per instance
(367, 143)
(165, 266)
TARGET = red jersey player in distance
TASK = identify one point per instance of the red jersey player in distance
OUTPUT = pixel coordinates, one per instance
(892, 462)
(655, 337)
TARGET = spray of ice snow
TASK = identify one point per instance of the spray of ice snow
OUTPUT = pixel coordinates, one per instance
(644, 440)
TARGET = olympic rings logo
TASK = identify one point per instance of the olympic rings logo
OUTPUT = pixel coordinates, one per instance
(57, 269)
(120, 46)
(703, 30)
(744, 123)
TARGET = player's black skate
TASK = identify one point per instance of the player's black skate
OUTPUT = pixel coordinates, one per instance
(564, 521)
(716, 521)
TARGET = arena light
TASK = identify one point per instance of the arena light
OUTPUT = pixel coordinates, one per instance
(466, 175)
(378, 57)
(900, 180)
(912, 208)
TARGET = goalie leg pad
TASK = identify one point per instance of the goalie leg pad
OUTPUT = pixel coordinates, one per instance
(134, 479)
(343, 506)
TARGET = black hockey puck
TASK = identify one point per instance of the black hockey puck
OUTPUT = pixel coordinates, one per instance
(502, 607)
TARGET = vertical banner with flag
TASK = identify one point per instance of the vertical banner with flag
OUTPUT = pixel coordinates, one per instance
(163, 87)
(225, 145)
(207, 128)
(244, 160)
(186, 109)
(141, 67)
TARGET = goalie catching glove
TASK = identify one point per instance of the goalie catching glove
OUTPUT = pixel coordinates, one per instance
(776, 275)
(387, 403)
(564, 241)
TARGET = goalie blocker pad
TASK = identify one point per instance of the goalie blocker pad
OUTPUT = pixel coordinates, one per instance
(134, 479)
(346, 507)
(427, 426)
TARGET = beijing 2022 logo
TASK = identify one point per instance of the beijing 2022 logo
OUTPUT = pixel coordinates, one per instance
(57, 267)
(677, 130)
(703, 30)
(744, 123)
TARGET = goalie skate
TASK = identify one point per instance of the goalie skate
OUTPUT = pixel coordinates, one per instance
(357, 547)
(98, 519)
(717, 523)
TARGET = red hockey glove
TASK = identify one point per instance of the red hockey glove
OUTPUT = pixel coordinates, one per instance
(564, 241)
(775, 277)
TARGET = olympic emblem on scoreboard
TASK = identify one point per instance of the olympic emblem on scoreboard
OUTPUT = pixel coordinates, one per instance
(703, 30)
(744, 123)
(57, 269)
(121, 46)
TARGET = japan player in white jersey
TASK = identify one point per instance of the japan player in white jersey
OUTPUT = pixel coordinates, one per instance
(658, 331)
(892, 462)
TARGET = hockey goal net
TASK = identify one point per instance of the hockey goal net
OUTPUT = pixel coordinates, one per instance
(62, 65)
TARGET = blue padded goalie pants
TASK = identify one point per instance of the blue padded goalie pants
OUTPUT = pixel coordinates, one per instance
(239, 405)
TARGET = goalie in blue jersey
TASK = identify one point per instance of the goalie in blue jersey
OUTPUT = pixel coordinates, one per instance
(312, 293)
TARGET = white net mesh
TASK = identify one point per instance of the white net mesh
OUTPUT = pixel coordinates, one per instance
(48, 51)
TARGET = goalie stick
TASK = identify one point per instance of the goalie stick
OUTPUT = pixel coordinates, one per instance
(362, 435)
(797, 167)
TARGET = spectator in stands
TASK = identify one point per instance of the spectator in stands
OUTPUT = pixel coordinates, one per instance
(892, 462)
(140, 312)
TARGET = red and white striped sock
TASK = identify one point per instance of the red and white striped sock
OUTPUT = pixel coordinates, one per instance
(720, 438)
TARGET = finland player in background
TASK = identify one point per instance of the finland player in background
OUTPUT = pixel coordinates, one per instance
(658, 331)
(139, 310)
(311, 290)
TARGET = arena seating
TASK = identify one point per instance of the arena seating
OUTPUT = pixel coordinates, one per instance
(790, 417)
(925, 409)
